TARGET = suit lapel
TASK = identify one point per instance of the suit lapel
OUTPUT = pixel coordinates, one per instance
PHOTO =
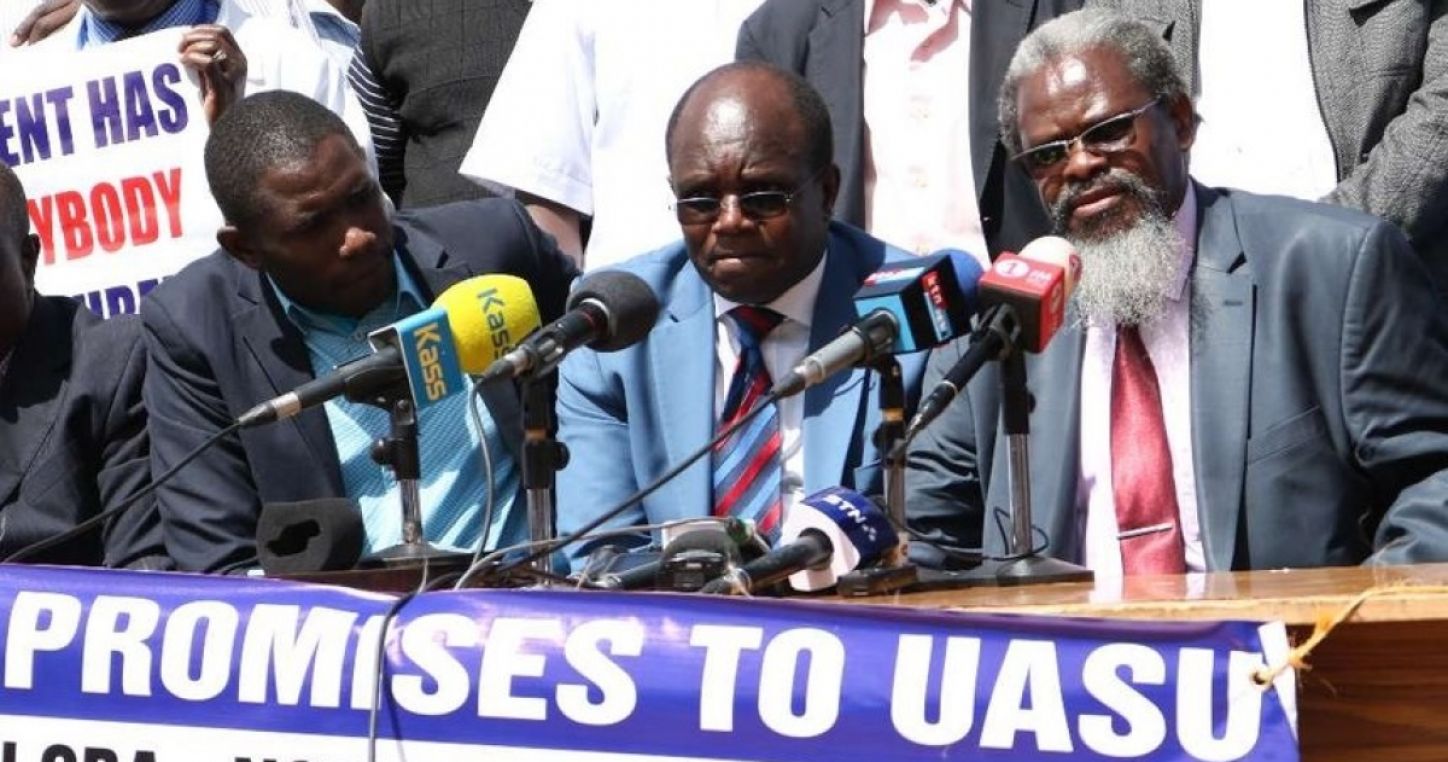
(33, 386)
(1223, 304)
(680, 384)
(429, 263)
(277, 348)
(833, 409)
(835, 67)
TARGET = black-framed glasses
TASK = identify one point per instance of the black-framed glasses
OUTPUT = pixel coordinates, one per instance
(1108, 136)
(756, 205)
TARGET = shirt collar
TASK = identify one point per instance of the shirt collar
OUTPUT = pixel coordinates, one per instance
(797, 303)
(317, 8)
(95, 30)
(1185, 220)
(406, 297)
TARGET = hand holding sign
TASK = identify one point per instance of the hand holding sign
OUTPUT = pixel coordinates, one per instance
(213, 53)
(43, 20)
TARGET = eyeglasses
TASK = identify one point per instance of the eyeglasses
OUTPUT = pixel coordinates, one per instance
(756, 205)
(1109, 136)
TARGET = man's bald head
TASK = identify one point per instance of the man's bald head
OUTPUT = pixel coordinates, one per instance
(750, 160)
(761, 90)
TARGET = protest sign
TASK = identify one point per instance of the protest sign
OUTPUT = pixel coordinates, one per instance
(139, 666)
(108, 143)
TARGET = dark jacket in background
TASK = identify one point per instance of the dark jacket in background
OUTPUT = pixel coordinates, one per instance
(73, 438)
(438, 62)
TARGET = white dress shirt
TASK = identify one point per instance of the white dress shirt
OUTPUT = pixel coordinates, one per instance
(919, 181)
(579, 112)
(783, 348)
(1262, 127)
(1168, 344)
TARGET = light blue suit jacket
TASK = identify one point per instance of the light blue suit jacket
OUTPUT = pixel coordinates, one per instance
(629, 416)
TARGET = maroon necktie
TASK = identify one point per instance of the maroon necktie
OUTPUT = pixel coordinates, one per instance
(1141, 479)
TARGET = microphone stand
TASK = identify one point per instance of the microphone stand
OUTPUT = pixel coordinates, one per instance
(399, 451)
(543, 457)
(895, 570)
(1026, 567)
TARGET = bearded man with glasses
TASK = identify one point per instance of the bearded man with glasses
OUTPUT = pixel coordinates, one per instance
(761, 278)
(1247, 382)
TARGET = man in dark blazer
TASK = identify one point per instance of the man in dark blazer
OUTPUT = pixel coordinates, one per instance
(824, 40)
(307, 222)
(72, 429)
(1307, 374)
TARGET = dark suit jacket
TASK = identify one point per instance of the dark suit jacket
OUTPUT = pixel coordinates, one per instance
(220, 343)
(73, 437)
(823, 41)
(1319, 407)
(438, 61)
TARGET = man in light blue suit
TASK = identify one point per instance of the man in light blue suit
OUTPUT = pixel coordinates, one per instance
(749, 151)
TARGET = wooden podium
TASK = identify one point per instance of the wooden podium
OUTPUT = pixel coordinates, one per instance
(1378, 686)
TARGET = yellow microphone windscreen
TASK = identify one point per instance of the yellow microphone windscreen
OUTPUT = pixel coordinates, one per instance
(489, 315)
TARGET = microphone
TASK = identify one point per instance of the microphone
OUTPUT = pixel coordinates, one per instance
(324, 534)
(466, 329)
(833, 531)
(489, 314)
(694, 552)
(1035, 286)
(902, 308)
(694, 558)
(608, 311)
(1025, 298)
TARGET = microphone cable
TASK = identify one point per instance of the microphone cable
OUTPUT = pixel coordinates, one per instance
(977, 555)
(550, 547)
(96, 520)
(379, 659)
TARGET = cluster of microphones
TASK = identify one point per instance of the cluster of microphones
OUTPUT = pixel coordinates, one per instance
(488, 328)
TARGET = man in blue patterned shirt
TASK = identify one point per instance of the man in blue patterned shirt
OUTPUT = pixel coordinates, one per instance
(312, 261)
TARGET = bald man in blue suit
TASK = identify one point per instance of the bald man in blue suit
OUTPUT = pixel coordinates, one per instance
(749, 156)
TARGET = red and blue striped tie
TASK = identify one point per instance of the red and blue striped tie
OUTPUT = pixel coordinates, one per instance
(747, 464)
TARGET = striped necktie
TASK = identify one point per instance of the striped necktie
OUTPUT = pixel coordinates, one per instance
(747, 467)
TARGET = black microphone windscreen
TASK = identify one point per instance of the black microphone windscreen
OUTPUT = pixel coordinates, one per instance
(306, 536)
(632, 307)
(691, 560)
(704, 539)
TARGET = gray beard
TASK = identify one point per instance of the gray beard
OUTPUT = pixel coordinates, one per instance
(1126, 275)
